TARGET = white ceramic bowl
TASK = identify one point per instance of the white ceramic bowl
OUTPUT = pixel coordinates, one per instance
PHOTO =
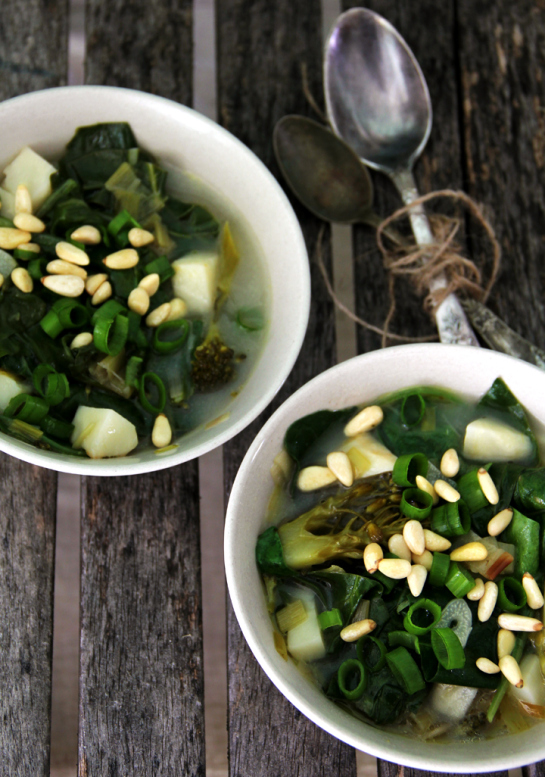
(181, 139)
(469, 371)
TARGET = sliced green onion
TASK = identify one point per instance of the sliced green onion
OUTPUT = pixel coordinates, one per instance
(471, 492)
(404, 639)
(51, 324)
(53, 386)
(28, 408)
(368, 646)
(110, 336)
(36, 268)
(451, 519)
(405, 670)
(134, 366)
(447, 648)
(511, 594)
(458, 617)
(143, 389)
(25, 256)
(121, 221)
(56, 427)
(167, 346)
(459, 580)
(251, 319)
(161, 266)
(108, 311)
(64, 314)
(407, 467)
(415, 503)
(330, 618)
(352, 679)
(439, 569)
(424, 607)
(412, 409)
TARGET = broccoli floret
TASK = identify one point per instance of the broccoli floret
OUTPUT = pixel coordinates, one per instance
(213, 364)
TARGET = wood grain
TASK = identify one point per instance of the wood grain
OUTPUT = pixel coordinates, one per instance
(262, 48)
(141, 685)
(27, 548)
(33, 46)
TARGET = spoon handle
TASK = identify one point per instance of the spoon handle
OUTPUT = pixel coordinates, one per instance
(452, 324)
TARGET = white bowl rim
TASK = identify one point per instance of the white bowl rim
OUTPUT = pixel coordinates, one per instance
(126, 465)
(429, 756)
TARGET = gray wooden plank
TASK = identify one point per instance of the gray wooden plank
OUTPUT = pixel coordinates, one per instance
(261, 47)
(33, 46)
(29, 60)
(27, 555)
(141, 682)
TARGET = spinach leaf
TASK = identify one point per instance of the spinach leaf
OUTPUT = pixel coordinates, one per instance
(500, 399)
(269, 555)
(530, 491)
(304, 433)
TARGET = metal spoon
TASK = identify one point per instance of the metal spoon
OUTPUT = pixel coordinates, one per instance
(378, 102)
(325, 174)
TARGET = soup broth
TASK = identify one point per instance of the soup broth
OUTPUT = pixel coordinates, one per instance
(404, 565)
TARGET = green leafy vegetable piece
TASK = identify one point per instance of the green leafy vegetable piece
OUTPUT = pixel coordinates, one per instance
(304, 433)
(500, 399)
(269, 555)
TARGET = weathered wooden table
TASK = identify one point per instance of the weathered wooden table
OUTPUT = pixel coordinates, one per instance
(141, 677)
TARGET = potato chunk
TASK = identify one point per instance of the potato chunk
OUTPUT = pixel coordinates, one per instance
(32, 170)
(11, 386)
(103, 433)
(487, 439)
(195, 281)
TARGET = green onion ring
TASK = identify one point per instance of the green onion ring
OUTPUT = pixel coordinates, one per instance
(51, 324)
(407, 467)
(440, 566)
(459, 580)
(167, 346)
(405, 670)
(151, 377)
(448, 648)
(53, 386)
(412, 510)
(110, 336)
(451, 519)
(330, 618)
(511, 594)
(56, 428)
(346, 671)
(131, 373)
(413, 408)
(27, 408)
(71, 314)
(471, 492)
(108, 310)
(364, 646)
(430, 607)
(404, 639)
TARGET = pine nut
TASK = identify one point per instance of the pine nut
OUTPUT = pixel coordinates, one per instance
(71, 253)
(513, 622)
(354, 631)
(178, 309)
(138, 300)
(446, 491)
(94, 282)
(23, 200)
(506, 642)
(488, 486)
(434, 541)
(413, 534)
(22, 280)
(398, 546)
(534, 596)
(500, 522)
(11, 238)
(87, 234)
(477, 592)
(511, 671)
(341, 466)
(471, 551)
(416, 579)
(450, 463)
(372, 554)
(425, 559)
(424, 485)
(81, 340)
(121, 260)
(1, 280)
(103, 293)
(160, 314)
(311, 478)
(140, 237)
(487, 666)
(150, 283)
(28, 222)
(60, 267)
(162, 432)
(364, 421)
(65, 285)
(487, 601)
(395, 568)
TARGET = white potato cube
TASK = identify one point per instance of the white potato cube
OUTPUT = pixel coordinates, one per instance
(195, 280)
(8, 204)
(11, 386)
(305, 641)
(103, 433)
(32, 170)
(451, 702)
(533, 690)
(489, 440)
(368, 455)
